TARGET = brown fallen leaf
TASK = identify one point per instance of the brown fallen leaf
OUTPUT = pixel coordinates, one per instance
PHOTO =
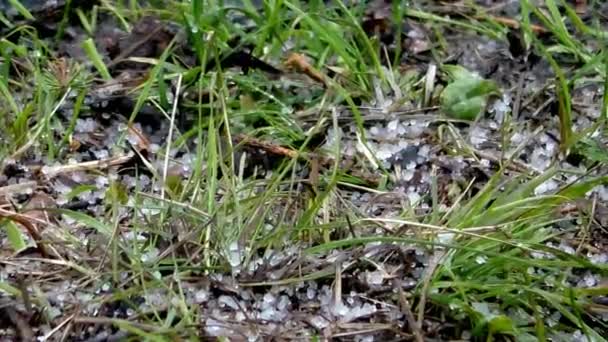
(138, 139)
(300, 64)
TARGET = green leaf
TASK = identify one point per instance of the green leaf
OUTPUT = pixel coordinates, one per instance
(501, 324)
(87, 221)
(593, 150)
(14, 236)
(467, 94)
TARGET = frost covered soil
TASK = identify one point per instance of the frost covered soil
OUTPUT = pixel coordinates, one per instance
(360, 292)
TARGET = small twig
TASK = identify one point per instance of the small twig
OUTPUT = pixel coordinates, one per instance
(409, 315)
(170, 135)
(17, 188)
(426, 281)
(300, 64)
(519, 91)
(113, 321)
(181, 242)
(123, 55)
(53, 171)
(30, 227)
(337, 300)
(58, 327)
(286, 152)
(26, 332)
(512, 23)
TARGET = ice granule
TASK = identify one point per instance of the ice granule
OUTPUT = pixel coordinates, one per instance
(201, 296)
(407, 174)
(413, 197)
(228, 302)
(149, 255)
(364, 338)
(319, 322)
(311, 293)
(601, 258)
(517, 138)
(215, 328)
(283, 303)
(445, 238)
(601, 191)
(500, 107)
(101, 154)
(374, 278)
(234, 254)
(85, 125)
(566, 248)
(357, 312)
(393, 125)
(424, 151)
(481, 259)
(546, 186)
(589, 280)
(478, 136)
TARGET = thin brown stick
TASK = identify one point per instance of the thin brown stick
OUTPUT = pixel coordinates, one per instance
(409, 315)
(430, 270)
(51, 172)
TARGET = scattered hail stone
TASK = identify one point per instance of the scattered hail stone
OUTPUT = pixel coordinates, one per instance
(588, 280)
(319, 322)
(129, 181)
(216, 328)
(413, 197)
(393, 125)
(596, 259)
(311, 293)
(485, 309)
(52, 312)
(375, 277)
(234, 256)
(101, 154)
(517, 138)
(478, 136)
(201, 296)
(85, 195)
(500, 107)
(227, 301)
(566, 248)
(240, 316)
(132, 235)
(61, 188)
(445, 238)
(540, 160)
(481, 259)
(87, 125)
(149, 255)
(407, 174)
(414, 128)
(578, 336)
(283, 303)
(357, 312)
(553, 320)
(149, 211)
(601, 191)
(383, 151)
(545, 187)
